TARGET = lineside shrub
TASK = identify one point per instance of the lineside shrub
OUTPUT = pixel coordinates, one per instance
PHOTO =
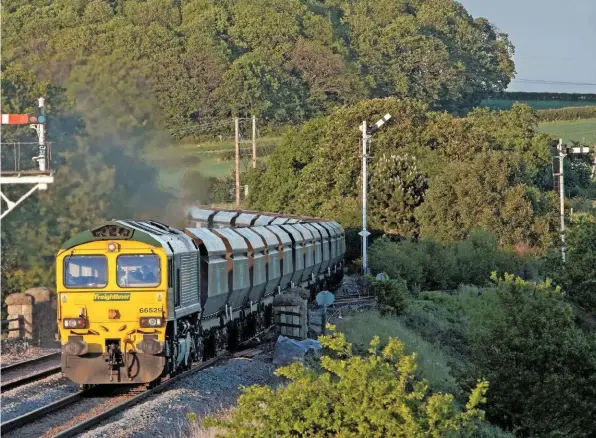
(392, 295)
(372, 396)
(541, 366)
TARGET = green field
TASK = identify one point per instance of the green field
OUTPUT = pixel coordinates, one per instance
(175, 161)
(578, 130)
(536, 104)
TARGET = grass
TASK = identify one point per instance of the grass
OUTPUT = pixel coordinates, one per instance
(432, 327)
(578, 130)
(433, 365)
(175, 161)
(536, 104)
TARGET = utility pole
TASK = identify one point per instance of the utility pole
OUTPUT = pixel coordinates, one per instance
(563, 151)
(366, 135)
(254, 141)
(237, 149)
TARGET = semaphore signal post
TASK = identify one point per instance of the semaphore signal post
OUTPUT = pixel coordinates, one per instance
(16, 168)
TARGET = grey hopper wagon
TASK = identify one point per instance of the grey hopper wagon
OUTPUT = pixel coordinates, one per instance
(213, 270)
(286, 255)
(256, 263)
(297, 250)
(272, 260)
(237, 266)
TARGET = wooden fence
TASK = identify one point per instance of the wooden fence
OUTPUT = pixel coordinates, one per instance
(6, 329)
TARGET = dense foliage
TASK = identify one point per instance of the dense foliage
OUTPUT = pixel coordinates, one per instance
(430, 265)
(392, 295)
(541, 367)
(577, 276)
(485, 170)
(372, 396)
(520, 336)
(279, 59)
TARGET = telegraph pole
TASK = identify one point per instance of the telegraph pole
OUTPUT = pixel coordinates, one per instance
(254, 141)
(237, 149)
(366, 135)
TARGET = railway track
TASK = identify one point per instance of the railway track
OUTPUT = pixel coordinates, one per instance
(111, 401)
(28, 371)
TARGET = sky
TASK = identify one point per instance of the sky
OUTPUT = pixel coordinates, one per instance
(554, 40)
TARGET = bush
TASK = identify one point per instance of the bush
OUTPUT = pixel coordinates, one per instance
(430, 265)
(372, 396)
(542, 368)
(577, 276)
(392, 295)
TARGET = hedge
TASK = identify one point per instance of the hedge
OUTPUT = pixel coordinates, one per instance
(569, 113)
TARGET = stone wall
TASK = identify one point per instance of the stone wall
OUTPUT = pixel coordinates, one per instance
(290, 313)
(38, 307)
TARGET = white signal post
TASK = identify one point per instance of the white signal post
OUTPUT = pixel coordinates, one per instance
(366, 135)
(563, 152)
(42, 175)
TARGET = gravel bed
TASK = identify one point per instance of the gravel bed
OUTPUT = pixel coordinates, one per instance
(30, 353)
(27, 398)
(22, 371)
(205, 393)
(64, 418)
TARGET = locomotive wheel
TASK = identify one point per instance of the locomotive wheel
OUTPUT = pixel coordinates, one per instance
(154, 383)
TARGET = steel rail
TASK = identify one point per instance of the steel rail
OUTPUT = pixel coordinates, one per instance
(89, 423)
(84, 425)
(33, 361)
(29, 378)
(17, 422)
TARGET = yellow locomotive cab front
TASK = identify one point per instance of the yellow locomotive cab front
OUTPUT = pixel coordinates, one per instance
(112, 310)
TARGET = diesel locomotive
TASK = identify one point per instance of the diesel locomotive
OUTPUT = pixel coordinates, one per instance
(140, 300)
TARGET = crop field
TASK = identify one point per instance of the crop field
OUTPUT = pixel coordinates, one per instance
(536, 104)
(578, 130)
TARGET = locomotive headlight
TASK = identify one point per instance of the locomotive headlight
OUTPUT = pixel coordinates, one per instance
(74, 323)
(112, 246)
(151, 322)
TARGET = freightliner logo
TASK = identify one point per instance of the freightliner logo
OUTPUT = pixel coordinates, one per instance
(111, 297)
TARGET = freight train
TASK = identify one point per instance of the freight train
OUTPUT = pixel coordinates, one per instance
(139, 300)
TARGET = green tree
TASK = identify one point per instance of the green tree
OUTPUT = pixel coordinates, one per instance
(373, 396)
(577, 276)
(486, 191)
(542, 368)
(396, 187)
